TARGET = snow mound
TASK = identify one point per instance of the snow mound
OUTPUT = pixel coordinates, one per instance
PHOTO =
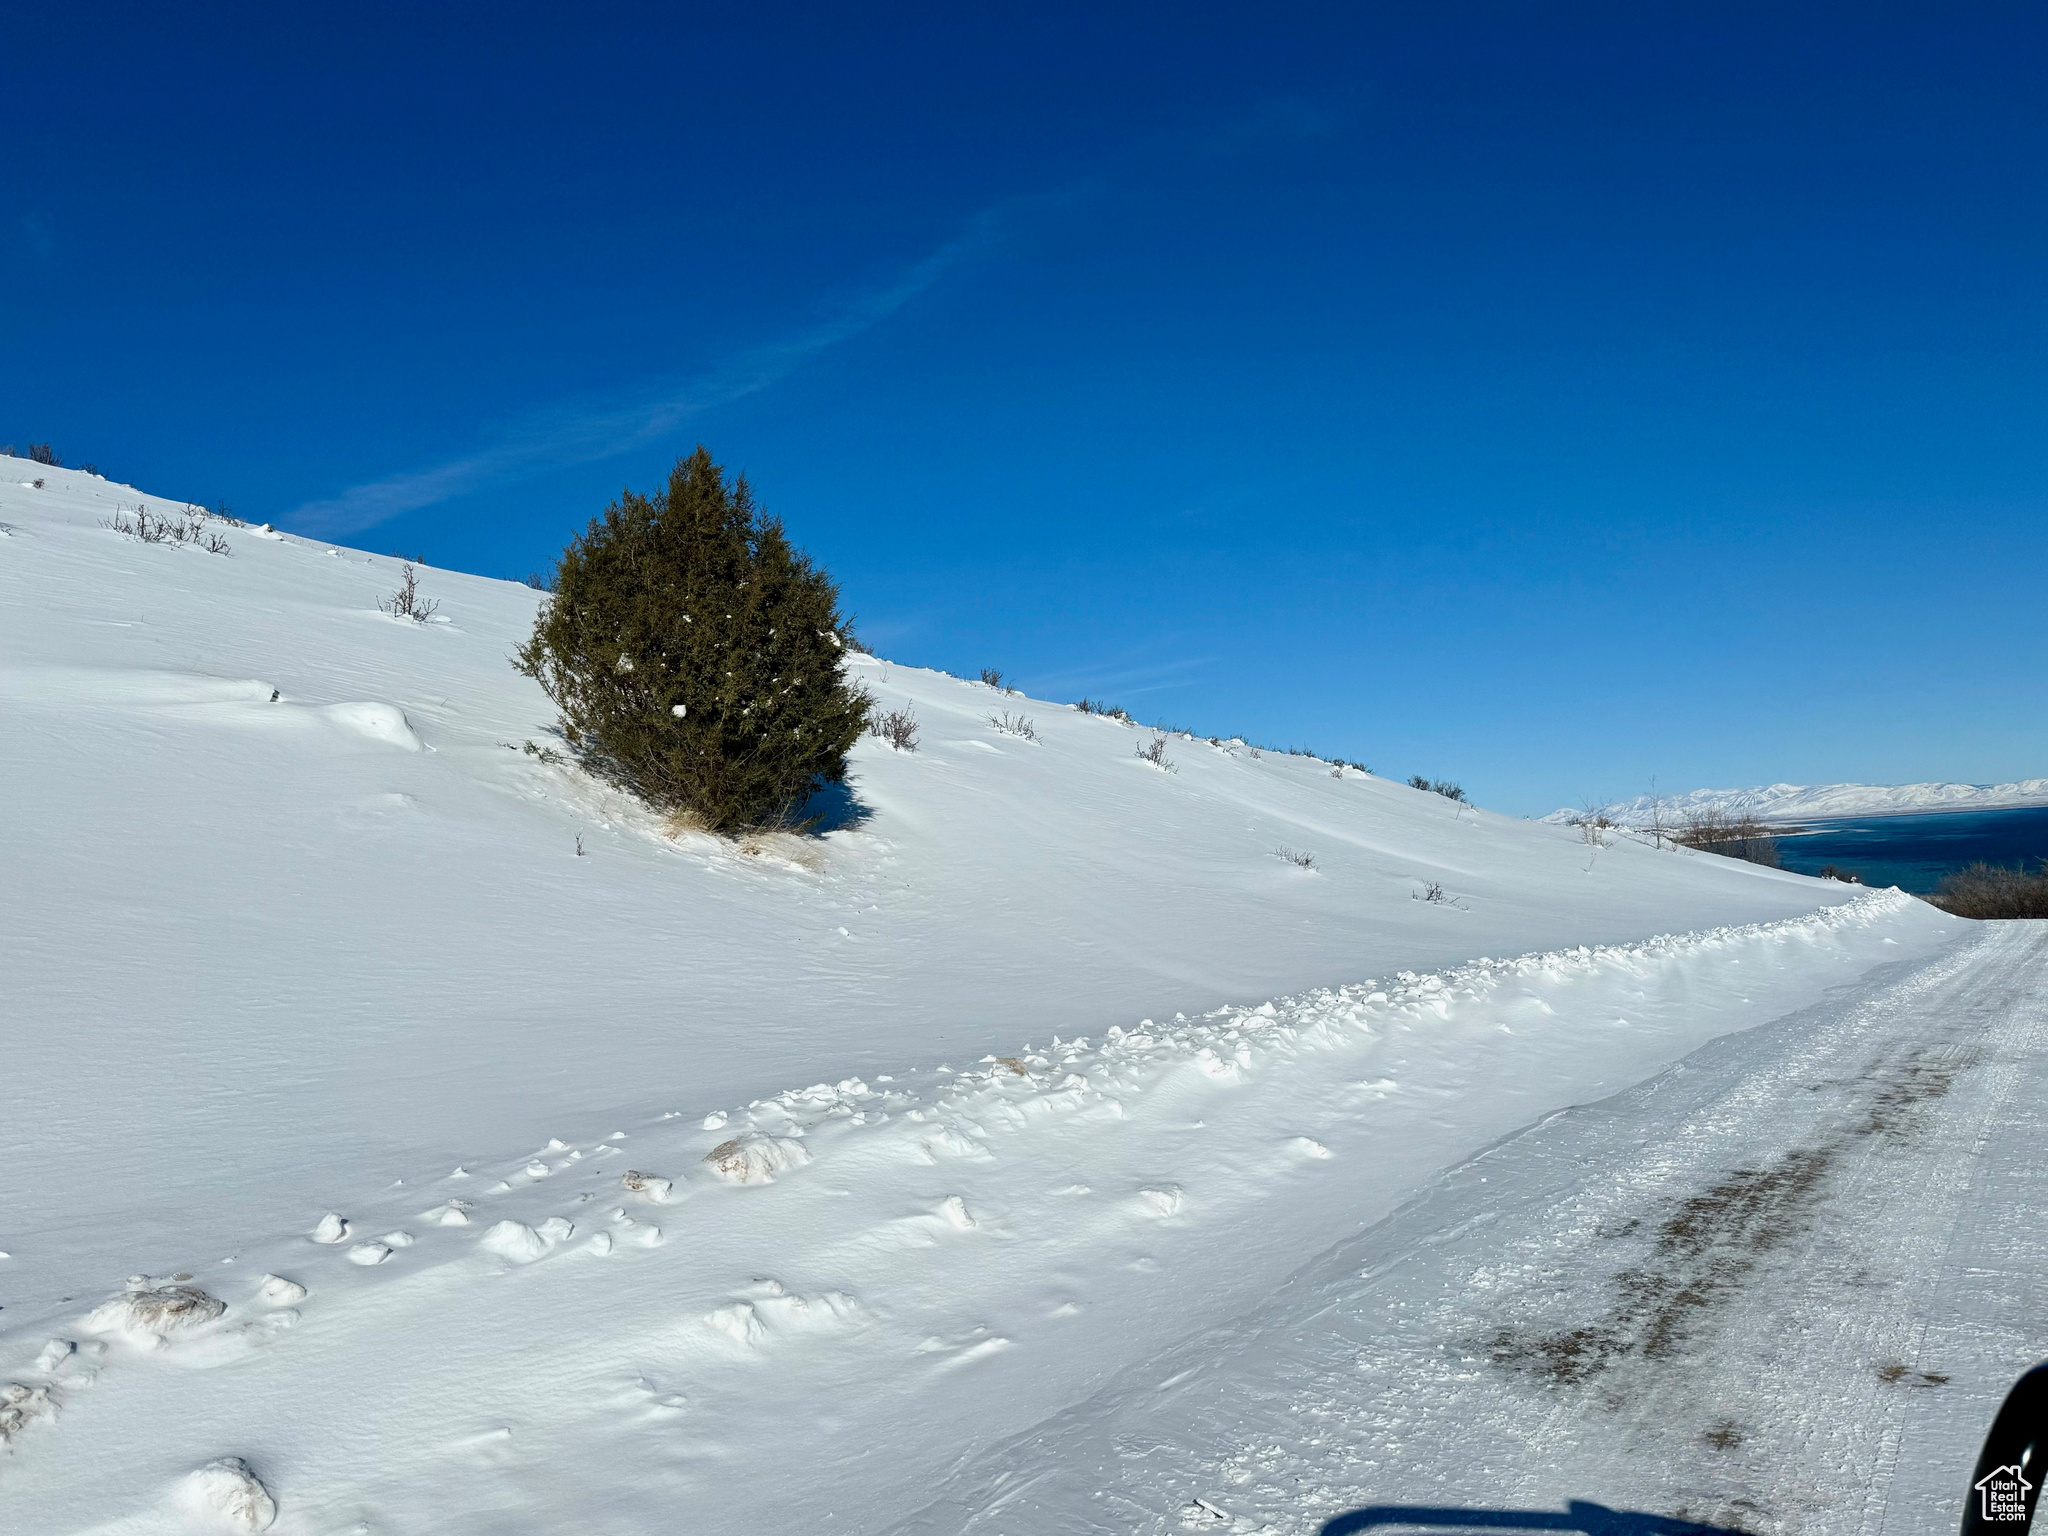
(514, 1240)
(953, 1211)
(153, 1315)
(771, 1309)
(376, 722)
(276, 1291)
(756, 1159)
(229, 1496)
(648, 1186)
(331, 1228)
(20, 1406)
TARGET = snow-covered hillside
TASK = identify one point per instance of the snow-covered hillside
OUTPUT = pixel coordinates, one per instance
(1783, 803)
(297, 929)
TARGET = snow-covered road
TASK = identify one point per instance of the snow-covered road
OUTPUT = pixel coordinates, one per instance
(1780, 1287)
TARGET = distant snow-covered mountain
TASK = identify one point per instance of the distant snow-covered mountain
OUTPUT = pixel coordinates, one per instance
(1815, 802)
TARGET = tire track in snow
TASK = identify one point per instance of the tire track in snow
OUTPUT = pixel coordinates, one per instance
(1800, 1269)
(1734, 1291)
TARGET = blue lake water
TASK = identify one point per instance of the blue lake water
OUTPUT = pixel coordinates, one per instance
(1916, 851)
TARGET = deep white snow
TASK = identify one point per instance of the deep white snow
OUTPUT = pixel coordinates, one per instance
(1814, 802)
(365, 1140)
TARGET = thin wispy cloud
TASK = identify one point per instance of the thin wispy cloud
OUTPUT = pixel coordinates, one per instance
(582, 437)
(1135, 677)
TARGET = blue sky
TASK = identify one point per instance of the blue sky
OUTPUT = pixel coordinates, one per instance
(1546, 397)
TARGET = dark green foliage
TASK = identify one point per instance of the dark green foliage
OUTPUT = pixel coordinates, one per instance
(1994, 890)
(1442, 787)
(694, 599)
(1108, 712)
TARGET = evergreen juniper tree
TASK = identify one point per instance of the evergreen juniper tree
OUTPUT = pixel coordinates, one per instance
(696, 656)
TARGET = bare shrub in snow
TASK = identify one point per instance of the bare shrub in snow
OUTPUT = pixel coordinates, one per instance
(1433, 893)
(994, 679)
(1299, 860)
(1107, 711)
(1154, 752)
(42, 453)
(1592, 825)
(406, 602)
(1659, 825)
(188, 527)
(1014, 725)
(1442, 787)
(1993, 890)
(898, 728)
(1734, 837)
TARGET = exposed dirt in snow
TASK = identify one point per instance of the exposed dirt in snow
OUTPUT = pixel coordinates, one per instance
(1706, 1252)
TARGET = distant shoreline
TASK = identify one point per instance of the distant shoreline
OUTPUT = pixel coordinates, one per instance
(1784, 805)
(1793, 828)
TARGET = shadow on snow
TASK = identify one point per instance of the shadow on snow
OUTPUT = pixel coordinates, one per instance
(1578, 1515)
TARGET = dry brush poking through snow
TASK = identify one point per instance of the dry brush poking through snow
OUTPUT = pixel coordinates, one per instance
(898, 727)
(406, 601)
(177, 529)
(1154, 752)
(756, 1159)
